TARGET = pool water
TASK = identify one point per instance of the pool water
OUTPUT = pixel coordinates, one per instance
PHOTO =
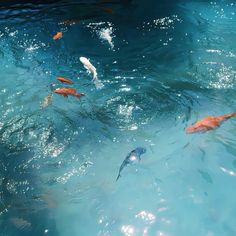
(163, 65)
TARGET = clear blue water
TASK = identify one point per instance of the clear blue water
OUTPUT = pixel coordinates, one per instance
(167, 64)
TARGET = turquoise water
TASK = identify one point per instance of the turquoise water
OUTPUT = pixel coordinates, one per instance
(164, 65)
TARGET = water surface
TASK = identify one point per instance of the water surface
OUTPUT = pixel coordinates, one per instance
(165, 65)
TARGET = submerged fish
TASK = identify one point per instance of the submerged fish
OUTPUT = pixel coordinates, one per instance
(68, 91)
(88, 65)
(71, 22)
(58, 35)
(130, 158)
(20, 223)
(209, 123)
(46, 101)
(108, 10)
(64, 80)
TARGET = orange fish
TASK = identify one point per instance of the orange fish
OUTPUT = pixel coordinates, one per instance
(68, 91)
(108, 10)
(208, 123)
(58, 35)
(64, 80)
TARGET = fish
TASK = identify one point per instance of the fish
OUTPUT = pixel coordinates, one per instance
(108, 10)
(64, 80)
(91, 69)
(87, 65)
(20, 223)
(58, 35)
(208, 123)
(68, 91)
(71, 22)
(46, 101)
(130, 158)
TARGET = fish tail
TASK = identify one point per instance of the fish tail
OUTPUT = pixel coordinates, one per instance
(78, 95)
(98, 83)
(118, 176)
(225, 117)
(95, 77)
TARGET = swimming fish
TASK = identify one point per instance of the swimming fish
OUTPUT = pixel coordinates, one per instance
(71, 22)
(108, 10)
(58, 35)
(68, 91)
(87, 65)
(131, 157)
(64, 80)
(208, 123)
(46, 101)
(20, 223)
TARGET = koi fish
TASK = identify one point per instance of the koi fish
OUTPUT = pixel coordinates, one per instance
(58, 35)
(46, 101)
(130, 158)
(68, 91)
(64, 80)
(91, 69)
(87, 65)
(208, 123)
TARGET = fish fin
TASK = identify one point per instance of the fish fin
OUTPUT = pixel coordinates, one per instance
(66, 96)
(87, 69)
(95, 77)
(225, 117)
(78, 95)
(98, 83)
(118, 176)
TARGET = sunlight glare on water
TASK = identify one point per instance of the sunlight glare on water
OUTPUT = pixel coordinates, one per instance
(161, 66)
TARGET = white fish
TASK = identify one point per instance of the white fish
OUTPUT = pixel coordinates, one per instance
(88, 65)
(20, 223)
(46, 101)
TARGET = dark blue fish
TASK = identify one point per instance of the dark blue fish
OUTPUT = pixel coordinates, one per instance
(131, 157)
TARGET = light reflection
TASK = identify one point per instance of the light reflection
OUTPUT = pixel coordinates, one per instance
(162, 209)
(104, 30)
(229, 172)
(161, 233)
(127, 230)
(146, 216)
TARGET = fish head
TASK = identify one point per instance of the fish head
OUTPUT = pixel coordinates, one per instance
(141, 150)
(196, 128)
(84, 60)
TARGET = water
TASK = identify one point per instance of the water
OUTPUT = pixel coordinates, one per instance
(164, 65)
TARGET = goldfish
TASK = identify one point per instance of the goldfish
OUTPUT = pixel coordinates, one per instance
(64, 80)
(68, 91)
(108, 10)
(46, 101)
(209, 123)
(58, 35)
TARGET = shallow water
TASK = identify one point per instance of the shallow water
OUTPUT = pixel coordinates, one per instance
(164, 65)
